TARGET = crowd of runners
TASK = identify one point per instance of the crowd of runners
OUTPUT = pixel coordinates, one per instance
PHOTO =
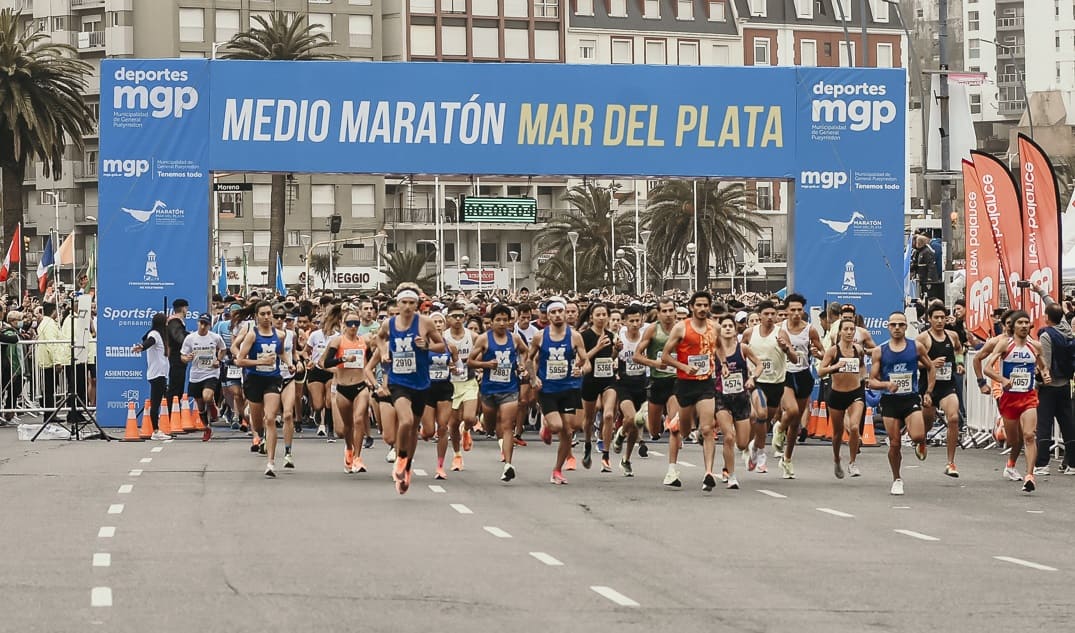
(617, 375)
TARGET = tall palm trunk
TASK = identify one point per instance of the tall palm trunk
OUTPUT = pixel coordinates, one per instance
(277, 215)
(12, 209)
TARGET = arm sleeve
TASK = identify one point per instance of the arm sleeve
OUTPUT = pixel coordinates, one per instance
(148, 341)
(330, 358)
(1046, 349)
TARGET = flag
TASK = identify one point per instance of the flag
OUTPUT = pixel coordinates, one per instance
(1000, 197)
(12, 254)
(1041, 226)
(280, 289)
(65, 256)
(983, 265)
(1071, 204)
(222, 280)
(44, 264)
(910, 285)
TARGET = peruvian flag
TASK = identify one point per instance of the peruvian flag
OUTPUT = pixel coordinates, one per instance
(12, 257)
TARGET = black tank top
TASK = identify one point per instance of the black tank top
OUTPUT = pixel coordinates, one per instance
(942, 349)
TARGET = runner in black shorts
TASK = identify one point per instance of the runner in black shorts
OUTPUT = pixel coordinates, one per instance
(662, 379)
(799, 382)
(630, 390)
(599, 385)
(733, 401)
(943, 347)
(847, 397)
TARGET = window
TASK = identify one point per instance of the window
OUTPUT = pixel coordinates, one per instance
(804, 9)
(360, 29)
(716, 11)
(655, 52)
(422, 6)
(363, 201)
(192, 25)
(583, 7)
(765, 244)
(59, 23)
(516, 44)
(688, 53)
(974, 49)
(486, 42)
(113, 18)
(230, 205)
(757, 8)
(761, 51)
(322, 200)
(684, 9)
(765, 196)
(321, 23)
(884, 56)
(293, 238)
(623, 51)
(808, 53)
(651, 10)
(513, 246)
(516, 9)
(453, 40)
(976, 104)
(227, 24)
(427, 250)
(449, 252)
(974, 22)
(453, 6)
(845, 58)
(485, 7)
(1057, 42)
(618, 8)
(587, 50)
(262, 196)
(879, 8)
(546, 8)
(489, 253)
(261, 246)
(842, 9)
(423, 39)
(45, 197)
(722, 55)
(91, 23)
(547, 44)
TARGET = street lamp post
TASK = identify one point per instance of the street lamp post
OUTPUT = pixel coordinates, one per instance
(619, 255)
(645, 256)
(612, 245)
(246, 255)
(465, 262)
(224, 246)
(513, 256)
(692, 252)
(574, 237)
(305, 239)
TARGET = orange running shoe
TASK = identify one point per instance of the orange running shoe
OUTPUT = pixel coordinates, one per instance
(468, 441)
(457, 463)
(348, 459)
(570, 464)
(357, 466)
(406, 480)
(519, 441)
(672, 424)
(546, 434)
(440, 473)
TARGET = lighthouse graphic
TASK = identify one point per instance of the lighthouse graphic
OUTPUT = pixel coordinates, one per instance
(849, 277)
(151, 267)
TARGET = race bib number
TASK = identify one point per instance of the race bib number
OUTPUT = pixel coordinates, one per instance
(701, 361)
(404, 363)
(556, 370)
(500, 374)
(204, 360)
(733, 383)
(354, 359)
(234, 372)
(903, 382)
(266, 362)
(851, 366)
(635, 369)
(944, 372)
(602, 368)
(1020, 381)
(767, 366)
(438, 372)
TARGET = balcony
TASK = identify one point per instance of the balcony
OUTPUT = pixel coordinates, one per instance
(1011, 107)
(91, 40)
(1008, 79)
(1010, 24)
(420, 215)
(86, 4)
(85, 171)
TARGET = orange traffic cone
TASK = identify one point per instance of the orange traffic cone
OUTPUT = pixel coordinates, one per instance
(164, 422)
(147, 423)
(869, 438)
(184, 415)
(811, 425)
(196, 416)
(826, 423)
(130, 434)
(176, 418)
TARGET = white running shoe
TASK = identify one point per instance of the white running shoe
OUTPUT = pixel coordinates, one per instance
(1068, 471)
(853, 470)
(160, 436)
(390, 457)
(897, 487)
(1041, 470)
(672, 478)
(733, 483)
(270, 470)
(1012, 474)
(779, 437)
(760, 466)
(787, 468)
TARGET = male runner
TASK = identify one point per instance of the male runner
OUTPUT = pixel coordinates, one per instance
(465, 387)
(799, 381)
(662, 379)
(770, 344)
(630, 388)
(943, 347)
(203, 350)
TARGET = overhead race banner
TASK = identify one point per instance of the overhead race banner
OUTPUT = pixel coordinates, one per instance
(837, 133)
(154, 214)
(1041, 226)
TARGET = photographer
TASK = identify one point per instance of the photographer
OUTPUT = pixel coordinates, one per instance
(10, 363)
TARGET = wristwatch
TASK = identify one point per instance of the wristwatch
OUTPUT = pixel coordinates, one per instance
(981, 382)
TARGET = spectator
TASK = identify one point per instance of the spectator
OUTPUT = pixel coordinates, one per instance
(156, 369)
(10, 364)
(53, 352)
(924, 269)
(176, 333)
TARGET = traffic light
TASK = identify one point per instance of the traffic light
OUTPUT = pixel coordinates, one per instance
(334, 224)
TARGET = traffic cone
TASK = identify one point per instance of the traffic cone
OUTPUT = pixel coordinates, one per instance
(826, 423)
(811, 424)
(176, 418)
(130, 434)
(196, 416)
(869, 438)
(147, 423)
(184, 415)
(164, 422)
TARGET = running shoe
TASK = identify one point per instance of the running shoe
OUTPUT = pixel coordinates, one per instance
(367, 442)
(853, 470)
(605, 466)
(570, 463)
(920, 451)
(348, 459)
(261, 448)
(468, 441)
(508, 474)
(321, 432)
(600, 446)
(289, 461)
(643, 450)
(761, 465)
(207, 434)
(787, 468)
(244, 427)
(390, 456)
(838, 470)
(357, 466)
(557, 478)
(440, 473)
(897, 488)
(254, 444)
(672, 478)
(724, 475)
(545, 433)
(951, 471)
(1011, 474)
(672, 424)
(695, 437)
(519, 441)
(331, 439)
(617, 441)
(1028, 484)
(211, 412)
(708, 482)
(397, 474)
(159, 436)
(1041, 470)
(779, 437)
(625, 467)
(751, 460)
(457, 463)
(1068, 470)
(270, 471)
(733, 483)
(587, 456)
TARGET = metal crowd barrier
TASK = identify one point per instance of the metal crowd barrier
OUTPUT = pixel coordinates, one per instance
(27, 392)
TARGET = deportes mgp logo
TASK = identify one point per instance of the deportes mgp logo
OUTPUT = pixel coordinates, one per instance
(856, 105)
(153, 92)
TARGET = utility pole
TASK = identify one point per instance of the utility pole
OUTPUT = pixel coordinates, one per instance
(865, 40)
(946, 146)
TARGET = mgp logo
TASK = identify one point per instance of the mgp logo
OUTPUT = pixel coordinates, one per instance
(162, 101)
(823, 179)
(125, 168)
(863, 114)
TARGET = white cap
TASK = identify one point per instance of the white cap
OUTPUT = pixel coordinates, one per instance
(740, 316)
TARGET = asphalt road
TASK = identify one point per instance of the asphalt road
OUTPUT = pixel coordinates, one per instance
(196, 539)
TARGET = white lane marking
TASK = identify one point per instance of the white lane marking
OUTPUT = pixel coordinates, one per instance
(913, 466)
(125, 489)
(836, 513)
(169, 441)
(917, 535)
(461, 509)
(102, 560)
(497, 532)
(686, 464)
(146, 460)
(156, 449)
(101, 597)
(656, 454)
(545, 558)
(615, 596)
(774, 495)
(1036, 511)
(115, 508)
(106, 532)
(901, 507)
(137, 472)
(436, 488)
(419, 472)
(1025, 563)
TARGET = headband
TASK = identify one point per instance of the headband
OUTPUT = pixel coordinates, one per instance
(556, 305)
(407, 294)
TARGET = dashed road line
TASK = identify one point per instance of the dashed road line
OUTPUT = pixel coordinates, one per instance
(545, 558)
(102, 560)
(497, 532)
(461, 509)
(1025, 563)
(169, 441)
(774, 495)
(136, 472)
(156, 449)
(836, 513)
(917, 535)
(686, 464)
(101, 597)
(125, 489)
(145, 460)
(115, 508)
(656, 454)
(901, 507)
(106, 532)
(419, 472)
(614, 596)
(438, 489)
(1036, 511)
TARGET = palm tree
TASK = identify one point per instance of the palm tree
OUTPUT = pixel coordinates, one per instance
(321, 265)
(41, 108)
(727, 221)
(407, 266)
(592, 219)
(286, 36)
